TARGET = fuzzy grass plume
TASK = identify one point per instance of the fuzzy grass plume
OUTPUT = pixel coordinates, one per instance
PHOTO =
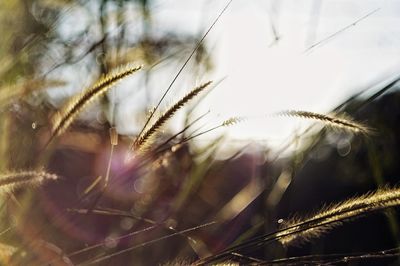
(226, 123)
(143, 139)
(298, 230)
(232, 121)
(333, 121)
(12, 180)
(65, 116)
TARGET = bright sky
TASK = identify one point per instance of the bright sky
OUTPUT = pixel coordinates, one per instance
(264, 76)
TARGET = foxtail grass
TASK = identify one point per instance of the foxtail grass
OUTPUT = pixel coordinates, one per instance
(304, 229)
(226, 123)
(142, 141)
(69, 111)
(13, 180)
(334, 121)
(232, 121)
(196, 48)
(299, 230)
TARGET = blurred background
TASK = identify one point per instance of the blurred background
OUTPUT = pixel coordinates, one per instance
(270, 56)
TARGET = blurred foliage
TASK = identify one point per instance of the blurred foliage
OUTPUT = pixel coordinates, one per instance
(138, 218)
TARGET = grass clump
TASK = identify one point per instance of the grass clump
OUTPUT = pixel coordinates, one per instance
(176, 202)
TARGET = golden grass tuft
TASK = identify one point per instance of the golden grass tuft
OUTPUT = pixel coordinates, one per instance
(141, 142)
(334, 121)
(298, 230)
(65, 116)
(13, 180)
(232, 121)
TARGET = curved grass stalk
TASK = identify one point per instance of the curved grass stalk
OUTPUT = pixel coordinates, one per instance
(12, 180)
(334, 121)
(226, 123)
(68, 112)
(332, 216)
(299, 230)
(96, 260)
(338, 258)
(199, 43)
(142, 140)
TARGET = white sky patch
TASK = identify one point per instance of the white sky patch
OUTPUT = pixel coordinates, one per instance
(265, 77)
